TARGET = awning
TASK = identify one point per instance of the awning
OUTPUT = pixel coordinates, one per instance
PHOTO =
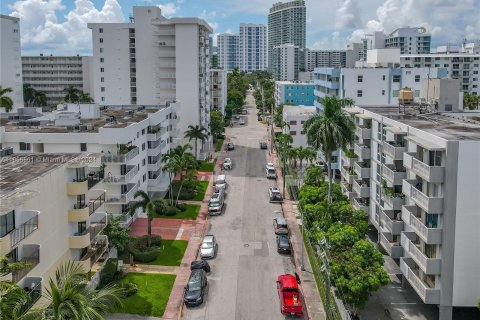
(424, 143)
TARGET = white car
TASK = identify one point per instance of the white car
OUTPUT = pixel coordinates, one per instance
(242, 122)
(270, 171)
(227, 164)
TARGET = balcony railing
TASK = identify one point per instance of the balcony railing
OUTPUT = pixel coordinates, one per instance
(93, 205)
(361, 204)
(122, 178)
(121, 158)
(362, 170)
(429, 204)
(394, 201)
(362, 151)
(392, 175)
(394, 151)
(24, 230)
(429, 173)
(124, 198)
(153, 136)
(428, 265)
(348, 175)
(32, 258)
(96, 250)
(348, 193)
(394, 226)
(394, 249)
(362, 188)
(97, 227)
(363, 132)
(427, 294)
(429, 235)
(33, 289)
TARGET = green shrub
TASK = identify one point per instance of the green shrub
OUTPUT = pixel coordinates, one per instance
(142, 252)
(108, 272)
(171, 211)
(129, 289)
(181, 206)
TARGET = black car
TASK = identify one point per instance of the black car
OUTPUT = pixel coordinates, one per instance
(196, 288)
(230, 146)
(283, 244)
(263, 145)
(200, 264)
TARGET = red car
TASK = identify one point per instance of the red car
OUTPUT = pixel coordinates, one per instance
(289, 295)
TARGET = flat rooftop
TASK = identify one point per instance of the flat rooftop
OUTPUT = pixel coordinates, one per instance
(444, 125)
(299, 110)
(118, 113)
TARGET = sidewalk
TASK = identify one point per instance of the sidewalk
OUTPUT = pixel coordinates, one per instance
(313, 302)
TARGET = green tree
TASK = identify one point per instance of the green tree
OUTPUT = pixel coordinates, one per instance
(71, 94)
(235, 100)
(471, 101)
(196, 133)
(330, 130)
(172, 167)
(216, 123)
(39, 99)
(84, 97)
(28, 94)
(118, 237)
(314, 176)
(5, 101)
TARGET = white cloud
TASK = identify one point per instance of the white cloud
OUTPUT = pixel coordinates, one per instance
(168, 9)
(180, 1)
(347, 16)
(208, 15)
(213, 24)
(334, 41)
(40, 27)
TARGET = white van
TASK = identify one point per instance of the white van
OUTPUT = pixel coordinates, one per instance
(221, 181)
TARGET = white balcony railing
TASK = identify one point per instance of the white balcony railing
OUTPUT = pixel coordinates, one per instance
(122, 178)
(361, 188)
(428, 265)
(392, 175)
(362, 151)
(394, 249)
(121, 158)
(429, 204)
(393, 151)
(427, 294)
(393, 226)
(363, 132)
(362, 170)
(429, 173)
(429, 235)
(123, 198)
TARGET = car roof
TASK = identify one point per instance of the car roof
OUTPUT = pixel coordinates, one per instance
(208, 238)
(215, 196)
(195, 275)
(269, 164)
(227, 159)
(221, 177)
(281, 220)
(274, 189)
(288, 280)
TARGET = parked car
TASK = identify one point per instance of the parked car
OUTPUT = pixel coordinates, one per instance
(227, 164)
(216, 204)
(200, 264)
(270, 171)
(221, 181)
(220, 188)
(263, 145)
(280, 226)
(208, 249)
(289, 295)
(230, 146)
(241, 122)
(244, 111)
(283, 244)
(236, 117)
(196, 288)
(275, 195)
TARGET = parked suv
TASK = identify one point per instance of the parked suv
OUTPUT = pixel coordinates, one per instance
(280, 225)
(270, 171)
(208, 249)
(275, 195)
(196, 288)
(215, 206)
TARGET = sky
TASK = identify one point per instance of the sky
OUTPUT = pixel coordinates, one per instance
(60, 26)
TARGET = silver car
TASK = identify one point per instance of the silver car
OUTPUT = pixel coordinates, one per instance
(208, 249)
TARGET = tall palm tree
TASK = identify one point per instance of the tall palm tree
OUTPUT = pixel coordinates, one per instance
(330, 130)
(197, 133)
(39, 99)
(150, 207)
(282, 144)
(5, 101)
(70, 298)
(71, 94)
(172, 167)
(293, 155)
(28, 94)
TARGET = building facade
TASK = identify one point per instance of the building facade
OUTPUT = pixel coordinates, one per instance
(153, 60)
(252, 47)
(296, 116)
(418, 185)
(289, 59)
(228, 50)
(218, 89)
(325, 59)
(294, 93)
(51, 212)
(286, 25)
(10, 59)
(52, 74)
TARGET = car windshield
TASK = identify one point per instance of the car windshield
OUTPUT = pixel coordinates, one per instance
(271, 171)
(214, 203)
(194, 286)
(207, 245)
(283, 241)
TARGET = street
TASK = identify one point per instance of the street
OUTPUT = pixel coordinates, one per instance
(242, 284)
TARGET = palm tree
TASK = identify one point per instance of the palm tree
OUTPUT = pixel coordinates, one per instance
(28, 94)
(5, 101)
(71, 298)
(330, 130)
(197, 133)
(293, 155)
(150, 207)
(84, 97)
(72, 94)
(172, 167)
(39, 99)
(282, 144)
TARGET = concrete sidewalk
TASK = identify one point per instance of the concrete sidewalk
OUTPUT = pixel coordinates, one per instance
(313, 302)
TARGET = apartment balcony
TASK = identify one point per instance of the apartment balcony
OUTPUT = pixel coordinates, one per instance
(345, 190)
(166, 75)
(26, 228)
(166, 86)
(95, 252)
(428, 265)
(154, 166)
(393, 248)
(126, 220)
(168, 32)
(348, 174)
(429, 173)
(98, 222)
(393, 201)
(425, 291)
(154, 149)
(362, 170)
(390, 223)
(429, 235)
(163, 64)
(363, 151)
(78, 214)
(80, 240)
(361, 188)
(361, 204)
(392, 175)
(29, 254)
(363, 132)
(77, 187)
(121, 158)
(33, 288)
(124, 197)
(153, 135)
(122, 178)
(346, 161)
(394, 151)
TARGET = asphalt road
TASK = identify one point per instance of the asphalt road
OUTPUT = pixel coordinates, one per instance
(242, 284)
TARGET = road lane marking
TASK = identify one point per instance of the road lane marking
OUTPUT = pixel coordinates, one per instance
(179, 234)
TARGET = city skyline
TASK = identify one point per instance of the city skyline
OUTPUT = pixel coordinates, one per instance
(59, 27)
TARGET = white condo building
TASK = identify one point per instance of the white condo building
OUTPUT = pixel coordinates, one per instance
(416, 177)
(130, 140)
(252, 47)
(296, 116)
(10, 59)
(325, 59)
(228, 51)
(289, 61)
(218, 89)
(152, 60)
(51, 74)
(52, 211)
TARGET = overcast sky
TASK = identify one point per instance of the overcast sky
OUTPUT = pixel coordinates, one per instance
(59, 26)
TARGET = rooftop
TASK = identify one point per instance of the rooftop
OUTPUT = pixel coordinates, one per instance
(299, 110)
(119, 114)
(447, 126)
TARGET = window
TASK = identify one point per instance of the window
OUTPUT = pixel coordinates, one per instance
(102, 89)
(359, 93)
(417, 78)
(435, 158)
(101, 50)
(383, 92)
(101, 40)
(7, 223)
(102, 79)
(445, 65)
(293, 133)
(100, 30)
(144, 177)
(396, 78)
(102, 69)
(395, 93)
(143, 132)
(408, 72)
(24, 146)
(83, 147)
(102, 99)
(144, 161)
(360, 78)
(293, 122)
(383, 77)
(102, 59)
(143, 146)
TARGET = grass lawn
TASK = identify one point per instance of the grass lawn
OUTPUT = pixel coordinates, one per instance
(152, 296)
(201, 191)
(218, 145)
(206, 166)
(172, 253)
(191, 213)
